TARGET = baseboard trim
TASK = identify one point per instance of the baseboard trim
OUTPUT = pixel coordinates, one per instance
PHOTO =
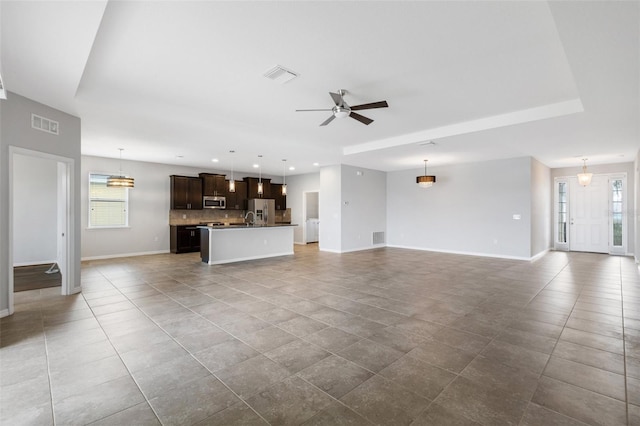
(355, 249)
(114, 256)
(539, 255)
(464, 253)
(4, 313)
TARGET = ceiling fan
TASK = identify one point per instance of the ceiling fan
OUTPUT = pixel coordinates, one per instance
(342, 109)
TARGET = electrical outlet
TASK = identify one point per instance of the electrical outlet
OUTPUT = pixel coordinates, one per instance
(184, 216)
(226, 215)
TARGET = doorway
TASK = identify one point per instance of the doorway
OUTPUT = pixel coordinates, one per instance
(591, 218)
(311, 219)
(59, 240)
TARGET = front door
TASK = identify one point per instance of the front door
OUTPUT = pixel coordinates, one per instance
(588, 218)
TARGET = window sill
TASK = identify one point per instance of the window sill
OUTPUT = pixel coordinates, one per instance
(97, 228)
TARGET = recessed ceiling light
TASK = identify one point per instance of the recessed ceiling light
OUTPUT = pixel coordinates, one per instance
(316, 164)
(255, 166)
(215, 160)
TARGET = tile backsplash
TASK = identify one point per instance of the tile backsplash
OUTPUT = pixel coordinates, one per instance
(194, 217)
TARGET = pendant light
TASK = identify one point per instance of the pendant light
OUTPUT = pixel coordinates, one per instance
(120, 181)
(425, 181)
(260, 187)
(232, 183)
(584, 178)
(284, 177)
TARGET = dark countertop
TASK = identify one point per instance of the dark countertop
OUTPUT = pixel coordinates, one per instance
(245, 226)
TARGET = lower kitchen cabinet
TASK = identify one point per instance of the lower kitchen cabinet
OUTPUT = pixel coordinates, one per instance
(184, 239)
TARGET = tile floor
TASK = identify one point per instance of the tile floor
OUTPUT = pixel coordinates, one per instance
(386, 336)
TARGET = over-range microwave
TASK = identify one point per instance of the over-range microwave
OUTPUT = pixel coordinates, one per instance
(214, 202)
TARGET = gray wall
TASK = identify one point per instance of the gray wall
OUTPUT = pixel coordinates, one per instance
(468, 210)
(148, 230)
(296, 186)
(636, 207)
(34, 210)
(541, 204)
(627, 168)
(364, 200)
(15, 130)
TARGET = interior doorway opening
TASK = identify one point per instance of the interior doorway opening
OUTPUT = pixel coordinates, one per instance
(49, 244)
(311, 217)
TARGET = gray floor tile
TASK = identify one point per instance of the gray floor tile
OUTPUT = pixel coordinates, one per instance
(335, 375)
(252, 376)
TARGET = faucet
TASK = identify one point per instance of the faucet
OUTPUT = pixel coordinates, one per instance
(247, 215)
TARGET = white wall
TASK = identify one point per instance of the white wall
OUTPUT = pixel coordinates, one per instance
(296, 186)
(34, 210)
(313, 205)
(15, 130)
(541, 205)
(468, 210)
(364, 201)
(636, 206)
(627, 168)
(330, 208)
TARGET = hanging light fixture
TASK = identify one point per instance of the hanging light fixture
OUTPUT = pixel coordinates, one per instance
(120, 181)
(425, 181)
(260, 187)
(232, 183)
(284, 177)
(584, 178)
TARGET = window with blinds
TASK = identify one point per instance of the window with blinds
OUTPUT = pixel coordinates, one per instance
(108, 207)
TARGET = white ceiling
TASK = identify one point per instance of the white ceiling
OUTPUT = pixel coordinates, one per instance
(483, 80)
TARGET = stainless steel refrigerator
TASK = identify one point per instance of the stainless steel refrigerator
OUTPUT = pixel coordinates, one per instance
(264, 211)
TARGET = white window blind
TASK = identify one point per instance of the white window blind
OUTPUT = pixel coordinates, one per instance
(108, 207)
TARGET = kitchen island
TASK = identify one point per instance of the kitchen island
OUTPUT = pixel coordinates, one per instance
(235, 243)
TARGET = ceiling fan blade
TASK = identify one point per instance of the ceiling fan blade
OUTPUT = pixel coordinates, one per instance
(328, 120)
(381, 104)
(305, 110)
(337, 99)
(361, 118)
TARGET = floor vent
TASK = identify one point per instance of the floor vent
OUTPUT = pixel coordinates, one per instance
(280, 74)
(44, 124)
(378, 238)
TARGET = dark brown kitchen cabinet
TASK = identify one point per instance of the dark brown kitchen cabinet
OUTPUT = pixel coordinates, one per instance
(276, 194)
(186, 193)
(252, 189)
(238, 200)
(184, 239)
(214, 185)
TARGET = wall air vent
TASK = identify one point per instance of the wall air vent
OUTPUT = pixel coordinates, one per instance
(377, 238)
(280, 74)
(44, 124)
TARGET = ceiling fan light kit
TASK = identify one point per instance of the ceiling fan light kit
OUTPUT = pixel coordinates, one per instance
(342, 109)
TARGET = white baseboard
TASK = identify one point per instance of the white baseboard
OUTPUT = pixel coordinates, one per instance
(114, 256)
(4, 313)
(464, 253)
(355, 249)
(34, 263)
(539, 255)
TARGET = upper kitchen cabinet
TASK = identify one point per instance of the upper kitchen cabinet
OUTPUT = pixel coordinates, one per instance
(214, 185)
(276, 194)
(252, 190)
(238, 200)
(186, 193)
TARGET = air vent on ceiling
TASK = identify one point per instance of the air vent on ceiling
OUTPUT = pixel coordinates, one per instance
(280, 74)
(377, 238)
(44, 124)
(3, 93)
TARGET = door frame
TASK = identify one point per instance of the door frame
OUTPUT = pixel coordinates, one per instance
(65, 205)
(304, 213)
(618, 250)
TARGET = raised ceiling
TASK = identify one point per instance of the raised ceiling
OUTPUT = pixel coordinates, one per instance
(182, 82)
